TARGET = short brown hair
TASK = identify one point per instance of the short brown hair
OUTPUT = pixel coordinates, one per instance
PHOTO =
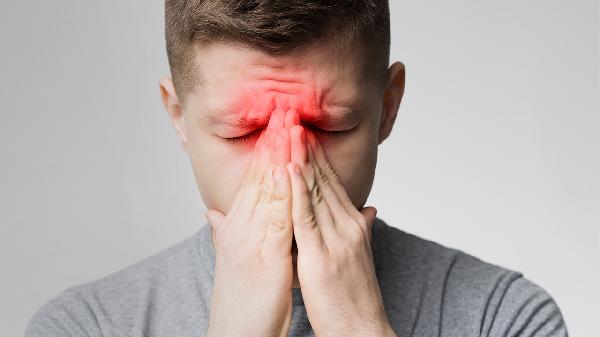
(274, 26)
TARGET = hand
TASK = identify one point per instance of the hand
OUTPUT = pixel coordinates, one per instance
(252, 290)
(334, 264)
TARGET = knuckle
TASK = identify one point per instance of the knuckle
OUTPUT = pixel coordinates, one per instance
(315, 192)
(321, 174)
(333, 268)
(356, 237)
(277, 197)
(266, 196)
(278, 222)
(308, 218)
(344, 250)
(362, 222)
(329, 171)
(306, 193)
(253, 178)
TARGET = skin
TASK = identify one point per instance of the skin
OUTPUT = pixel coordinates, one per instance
(281, 105)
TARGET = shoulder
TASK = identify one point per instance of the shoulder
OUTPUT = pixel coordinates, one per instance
(471, 296)
(111, 304)
(63, 315)
(504, 300)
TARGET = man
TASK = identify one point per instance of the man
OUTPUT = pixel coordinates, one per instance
(281, 106)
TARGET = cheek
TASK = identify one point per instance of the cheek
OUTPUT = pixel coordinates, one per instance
(354, 160)
(219, 171)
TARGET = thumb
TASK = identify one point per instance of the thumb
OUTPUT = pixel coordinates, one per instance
(215, 220)
(369, 213)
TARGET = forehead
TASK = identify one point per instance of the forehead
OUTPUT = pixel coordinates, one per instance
(242, 83)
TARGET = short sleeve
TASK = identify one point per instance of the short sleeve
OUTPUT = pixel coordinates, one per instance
(65, 315)
(525, 309)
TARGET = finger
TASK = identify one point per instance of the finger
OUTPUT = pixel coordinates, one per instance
(261, 163)
(256, 214)
(278, 237)
(276, 122)
(281, 150)
(273, 154)
(291, 118)
(255, 231)
(299, 152)
(330, 198)
(255, 186)
(263, 149)
(323, 215)
(252, 174)
(252, 188)
(262, 156)
(307, 232)
(369, 213)
(255, 182)
(299, 155)
(215, 221)
(277, 119)
(332, 177)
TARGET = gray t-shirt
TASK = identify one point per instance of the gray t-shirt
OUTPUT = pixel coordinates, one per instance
(428, 290)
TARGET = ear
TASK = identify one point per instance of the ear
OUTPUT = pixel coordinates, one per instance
(392, 96)
(171, 103)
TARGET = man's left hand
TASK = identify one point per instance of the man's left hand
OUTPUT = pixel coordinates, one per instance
(334, 263)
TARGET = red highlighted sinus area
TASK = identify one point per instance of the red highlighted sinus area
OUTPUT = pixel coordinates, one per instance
(256, 101)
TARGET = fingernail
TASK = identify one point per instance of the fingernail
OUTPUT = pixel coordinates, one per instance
(277, 174)
(302, 136)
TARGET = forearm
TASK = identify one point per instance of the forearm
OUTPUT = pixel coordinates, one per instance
(379, 330)
(360, 328)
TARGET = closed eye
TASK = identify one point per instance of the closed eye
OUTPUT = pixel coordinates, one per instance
(255, 134)
(245, 138)
(328, 133)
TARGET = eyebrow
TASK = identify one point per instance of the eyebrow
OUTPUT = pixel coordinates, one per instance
(241, 122)
(327, 119)
(330, 118)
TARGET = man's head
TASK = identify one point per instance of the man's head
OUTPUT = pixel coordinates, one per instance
(235, 62)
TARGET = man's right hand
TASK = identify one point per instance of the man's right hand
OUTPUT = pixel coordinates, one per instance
(252, 289)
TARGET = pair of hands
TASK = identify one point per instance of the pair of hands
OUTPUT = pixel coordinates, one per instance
(290, 190)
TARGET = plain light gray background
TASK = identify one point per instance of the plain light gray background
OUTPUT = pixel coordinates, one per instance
(495, 150)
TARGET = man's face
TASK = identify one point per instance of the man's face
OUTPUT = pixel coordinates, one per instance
(240, 89)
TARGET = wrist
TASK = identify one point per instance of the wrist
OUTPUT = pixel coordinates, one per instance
(388, 331)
